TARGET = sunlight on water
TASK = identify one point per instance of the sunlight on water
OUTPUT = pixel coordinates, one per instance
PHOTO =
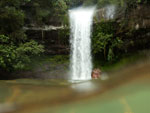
(81, 60)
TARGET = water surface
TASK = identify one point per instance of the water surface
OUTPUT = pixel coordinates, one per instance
(126, 91)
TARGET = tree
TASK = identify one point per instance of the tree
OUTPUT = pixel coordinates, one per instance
(15, 48)
(14, 56)
(104, 40)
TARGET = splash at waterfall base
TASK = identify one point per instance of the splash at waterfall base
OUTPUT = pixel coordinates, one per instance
(81, 61)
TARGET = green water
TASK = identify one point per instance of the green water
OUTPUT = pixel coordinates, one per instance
(125, 91)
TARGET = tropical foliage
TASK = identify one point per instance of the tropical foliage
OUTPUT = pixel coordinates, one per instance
(14, 56)
(15, 48)
(104, 40)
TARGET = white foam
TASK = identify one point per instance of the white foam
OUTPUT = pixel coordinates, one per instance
(81, 61)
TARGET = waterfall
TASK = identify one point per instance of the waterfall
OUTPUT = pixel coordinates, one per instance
(110, 11)
(80, 59)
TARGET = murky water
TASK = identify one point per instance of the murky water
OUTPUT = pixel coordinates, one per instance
(125, 91)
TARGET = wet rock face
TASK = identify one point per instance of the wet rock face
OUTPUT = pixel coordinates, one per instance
(139, 17)
(55, 40)
(96, 73)
(105, 13)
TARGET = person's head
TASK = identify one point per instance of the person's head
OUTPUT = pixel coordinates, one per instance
(96, 73)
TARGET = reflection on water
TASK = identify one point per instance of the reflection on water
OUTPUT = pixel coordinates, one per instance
(7, 107)
(127, 87)
(88, 85)
(84, 86)
(104, 76)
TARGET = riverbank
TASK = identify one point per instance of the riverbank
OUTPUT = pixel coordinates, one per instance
(57, 66)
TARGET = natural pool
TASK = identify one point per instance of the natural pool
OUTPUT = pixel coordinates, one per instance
(125, 91)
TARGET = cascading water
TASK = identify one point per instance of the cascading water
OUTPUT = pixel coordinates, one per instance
(81, 61)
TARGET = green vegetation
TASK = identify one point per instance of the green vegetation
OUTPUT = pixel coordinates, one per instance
(105, 43)
(124, 60)
(110, 41)
(113, 41)
(41, 12)
(14, 56)
(15, 48)
(47, 62)
(102, 3)
(59, 59)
